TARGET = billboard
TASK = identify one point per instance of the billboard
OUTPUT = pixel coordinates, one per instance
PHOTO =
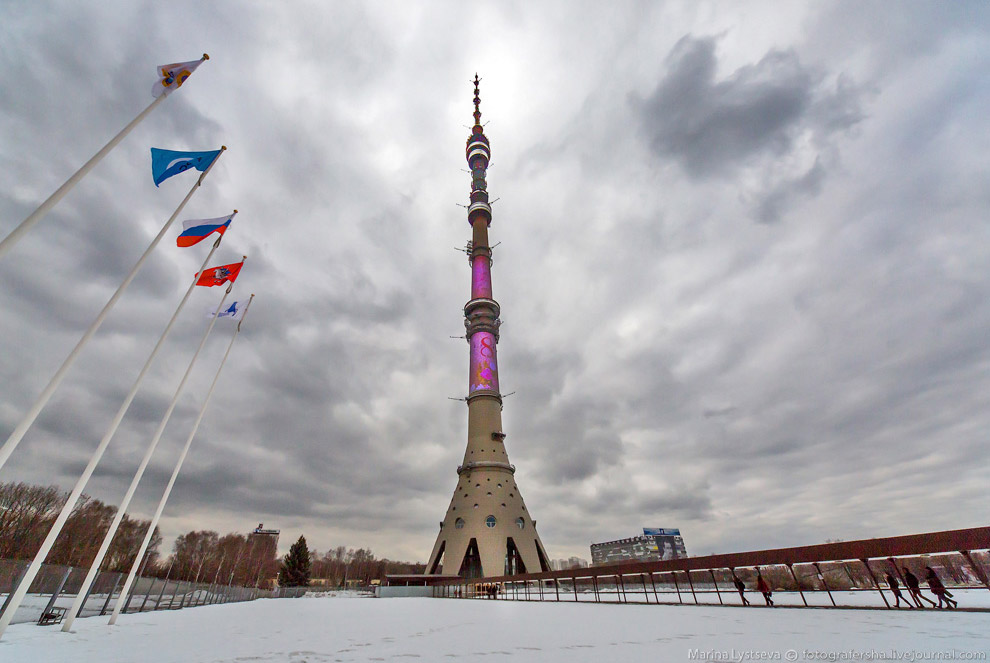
(668, 541)
(660, 531)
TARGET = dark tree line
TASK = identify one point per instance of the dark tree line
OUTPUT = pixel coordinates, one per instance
(205, 556)
(28, 512)
(342, 565)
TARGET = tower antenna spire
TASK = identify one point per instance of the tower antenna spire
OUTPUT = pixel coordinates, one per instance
(477, 100)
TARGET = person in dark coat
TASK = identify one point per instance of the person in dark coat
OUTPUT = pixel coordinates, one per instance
(764, 588)
(895, 589)
(938, 589)
(914, 587)
(741, 588)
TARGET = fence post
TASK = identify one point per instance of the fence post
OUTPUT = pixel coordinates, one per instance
(979, 572)
(89, 592)
(821, 576)
(691, 584)
(574, 581)
(654, 584)
(673, 574)
(58, 590)
(130, 596)
(14, 586)
(594, 579)
(797, 584)
(113, 589)
(715, 582)
(160, 595)
(866, 563)
(147, 595)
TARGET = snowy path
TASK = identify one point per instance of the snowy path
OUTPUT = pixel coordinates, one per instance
(317, 630)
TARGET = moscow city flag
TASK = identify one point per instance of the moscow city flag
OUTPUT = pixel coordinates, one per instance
(219, 275)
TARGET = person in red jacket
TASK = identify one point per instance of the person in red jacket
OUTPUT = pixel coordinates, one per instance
(764, 588)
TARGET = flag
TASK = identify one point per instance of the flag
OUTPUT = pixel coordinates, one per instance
(234, 311)
(165, 163)
(173, 76)
(220, 275)
(196, 230)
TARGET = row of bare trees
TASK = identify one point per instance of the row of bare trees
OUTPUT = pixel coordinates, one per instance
(341, 566)
(27, 513)
(204, 556)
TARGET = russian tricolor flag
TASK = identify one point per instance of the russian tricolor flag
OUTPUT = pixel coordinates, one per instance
(196, 230)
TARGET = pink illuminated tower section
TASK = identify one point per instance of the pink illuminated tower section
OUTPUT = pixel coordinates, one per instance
(487, 530)
(481, 313)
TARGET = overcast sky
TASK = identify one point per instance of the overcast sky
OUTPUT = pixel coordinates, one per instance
(743, 265)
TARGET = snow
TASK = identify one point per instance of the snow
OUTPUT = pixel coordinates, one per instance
(345, 628)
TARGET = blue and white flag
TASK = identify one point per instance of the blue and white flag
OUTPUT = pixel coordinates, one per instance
(234, 311)
(165, 163)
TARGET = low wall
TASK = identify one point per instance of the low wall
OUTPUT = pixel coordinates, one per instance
(400, 592)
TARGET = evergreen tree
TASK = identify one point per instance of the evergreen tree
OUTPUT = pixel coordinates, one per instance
(295, 566)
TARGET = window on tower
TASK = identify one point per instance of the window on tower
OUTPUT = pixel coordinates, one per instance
(490, 521)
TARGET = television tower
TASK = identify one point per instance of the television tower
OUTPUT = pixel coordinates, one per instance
(487, 530)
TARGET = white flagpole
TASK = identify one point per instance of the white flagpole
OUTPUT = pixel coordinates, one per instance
(36, 215)
(39, 404)
(98, 454)
(175, 473)
(63, 516)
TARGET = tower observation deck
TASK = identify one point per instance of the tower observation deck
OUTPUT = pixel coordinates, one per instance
(487, 530)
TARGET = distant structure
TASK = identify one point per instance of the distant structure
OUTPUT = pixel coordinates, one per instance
(264, 537)
(654, 544)
(569, 563)
(487, 530)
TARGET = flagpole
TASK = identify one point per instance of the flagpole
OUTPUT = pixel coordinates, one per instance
(18, 595)
(98, 454)
(175, 473)
(36, 215)
(39, 404)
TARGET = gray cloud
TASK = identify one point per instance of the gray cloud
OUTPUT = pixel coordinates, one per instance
(755, 384)
(711, 126)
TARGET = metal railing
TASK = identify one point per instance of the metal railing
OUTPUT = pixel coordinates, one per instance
(842, 574)
(56, 587)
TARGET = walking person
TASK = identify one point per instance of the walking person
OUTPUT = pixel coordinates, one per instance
(914, 587)
(741, 588)
(764, 588)
(938, 589)
(895, 589)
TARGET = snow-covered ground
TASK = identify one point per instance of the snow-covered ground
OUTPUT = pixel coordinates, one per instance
(337, 628)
